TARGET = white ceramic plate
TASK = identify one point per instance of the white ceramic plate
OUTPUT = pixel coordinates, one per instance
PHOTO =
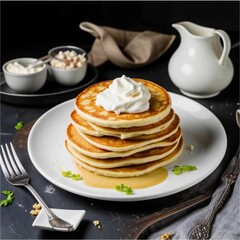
(200, 127)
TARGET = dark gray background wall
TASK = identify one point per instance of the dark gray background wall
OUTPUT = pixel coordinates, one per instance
(57, 23)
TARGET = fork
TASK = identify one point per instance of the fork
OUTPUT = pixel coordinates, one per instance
(16, 175)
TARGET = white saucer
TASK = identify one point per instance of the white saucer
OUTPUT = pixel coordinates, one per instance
(72, 216)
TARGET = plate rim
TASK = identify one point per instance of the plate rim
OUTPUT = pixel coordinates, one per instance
(130, 197)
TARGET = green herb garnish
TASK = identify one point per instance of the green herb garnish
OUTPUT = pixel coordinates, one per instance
(123, 188)
(188, 168)
(74, 176)
(184, 168)
(177, 170)
(8, 200)
(67, 174)
(19, 125)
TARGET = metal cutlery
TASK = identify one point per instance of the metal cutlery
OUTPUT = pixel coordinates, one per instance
(203, 229)
(39, 62)
(143, 223)
(16, 175)
(43, 60)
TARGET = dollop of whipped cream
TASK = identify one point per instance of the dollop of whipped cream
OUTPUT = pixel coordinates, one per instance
(124, 95)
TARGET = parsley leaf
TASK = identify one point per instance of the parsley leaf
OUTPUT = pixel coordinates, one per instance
(67, 174)
(74, 176)
(19, 125)
(123, 188)
(177, 170)
(188, 168)
(8, 200)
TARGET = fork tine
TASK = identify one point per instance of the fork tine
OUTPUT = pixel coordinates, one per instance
(4, 169)
(19, 164)
(12, 162)
(7, 164)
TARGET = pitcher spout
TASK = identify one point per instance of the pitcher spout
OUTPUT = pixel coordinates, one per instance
(181, 28)
(193, 29)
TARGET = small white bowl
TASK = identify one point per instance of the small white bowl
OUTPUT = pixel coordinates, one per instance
(27, 82)
(67, 77)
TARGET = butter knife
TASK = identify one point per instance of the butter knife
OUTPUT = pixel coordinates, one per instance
(203, 229)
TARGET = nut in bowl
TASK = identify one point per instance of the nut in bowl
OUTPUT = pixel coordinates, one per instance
(22, 78)
(68, 65)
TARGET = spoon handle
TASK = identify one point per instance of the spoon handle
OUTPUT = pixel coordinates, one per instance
(39, 62)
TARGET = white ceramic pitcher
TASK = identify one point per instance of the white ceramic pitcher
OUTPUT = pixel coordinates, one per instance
(200, 67)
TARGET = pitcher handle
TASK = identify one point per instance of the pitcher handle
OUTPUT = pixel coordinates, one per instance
(226, 46)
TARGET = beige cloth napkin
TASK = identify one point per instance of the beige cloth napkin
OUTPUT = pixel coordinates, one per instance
(125, 49)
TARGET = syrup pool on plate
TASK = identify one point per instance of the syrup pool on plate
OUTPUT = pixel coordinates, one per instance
(147, 180)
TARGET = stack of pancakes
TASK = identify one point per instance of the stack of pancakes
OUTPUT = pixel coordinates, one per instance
(126, 144)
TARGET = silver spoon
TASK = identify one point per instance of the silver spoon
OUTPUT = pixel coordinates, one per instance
(39, 62)
(43, 60)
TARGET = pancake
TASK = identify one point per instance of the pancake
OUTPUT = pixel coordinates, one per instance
(172, 128)
(92, 129)
(135, 159)
(81, 145)
(133, 170)
(121, 145)
(160, 105)
(82, 125)
(125, 133)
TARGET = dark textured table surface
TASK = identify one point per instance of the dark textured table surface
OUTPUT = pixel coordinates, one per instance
(115, 217)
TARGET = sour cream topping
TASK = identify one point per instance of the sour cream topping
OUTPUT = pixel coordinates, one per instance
(16, 67)
(124, 95)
